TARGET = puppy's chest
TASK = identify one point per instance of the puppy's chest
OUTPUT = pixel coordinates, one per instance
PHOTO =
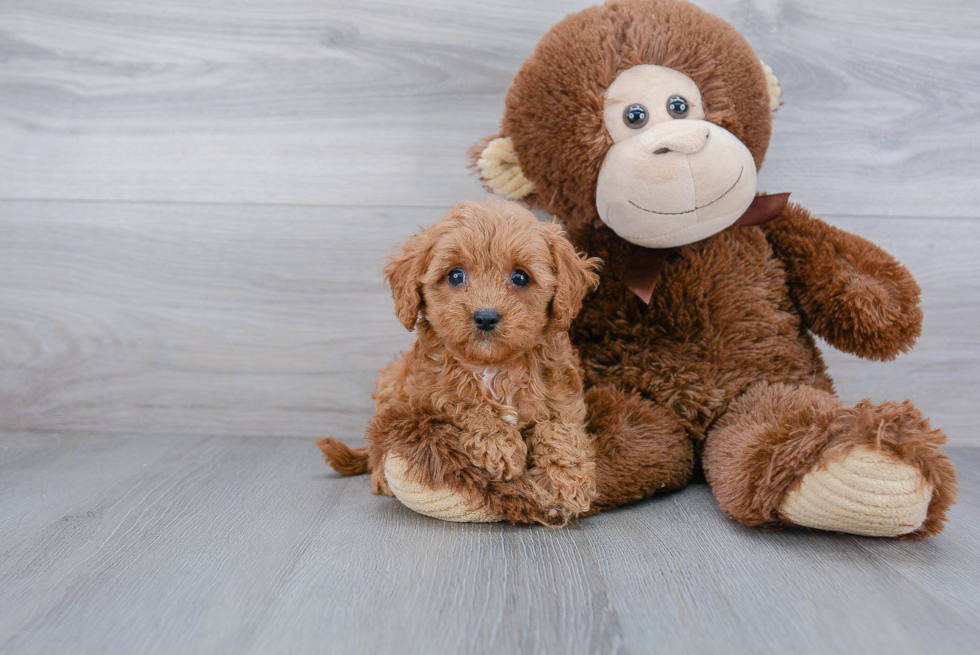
(508, 395)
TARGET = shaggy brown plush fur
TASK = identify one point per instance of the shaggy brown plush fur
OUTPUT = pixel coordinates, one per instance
(641, 448)
(561, 145)
(847, 290)
(723, 353)
(784, 429)
(499, 413)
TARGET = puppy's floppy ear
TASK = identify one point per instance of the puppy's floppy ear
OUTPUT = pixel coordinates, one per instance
(404, 274)
(576, 276)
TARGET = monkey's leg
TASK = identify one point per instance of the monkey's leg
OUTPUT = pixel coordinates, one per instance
(640, 448)
(415, 456)
(420, 454)
(794, 455)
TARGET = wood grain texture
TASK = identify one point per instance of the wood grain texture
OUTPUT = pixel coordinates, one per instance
(195, 202)
(249, 545)
(195, 319)
(272, 321)
(44, 474)
(317, 102)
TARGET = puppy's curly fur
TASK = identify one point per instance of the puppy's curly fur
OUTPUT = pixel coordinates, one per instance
(497, 414)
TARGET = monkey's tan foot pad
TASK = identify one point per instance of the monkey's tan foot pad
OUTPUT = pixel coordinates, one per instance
(864, 492)
(444, 503)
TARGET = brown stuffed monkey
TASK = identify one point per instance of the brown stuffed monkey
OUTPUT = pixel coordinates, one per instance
(641, 125)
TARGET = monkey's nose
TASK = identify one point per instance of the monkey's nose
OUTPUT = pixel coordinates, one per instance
(686, 137)
(486, 319)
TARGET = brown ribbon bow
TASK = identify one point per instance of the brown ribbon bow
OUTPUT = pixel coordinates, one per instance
(645, 264)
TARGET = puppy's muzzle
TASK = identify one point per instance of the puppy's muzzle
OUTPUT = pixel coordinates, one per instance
(486, 320)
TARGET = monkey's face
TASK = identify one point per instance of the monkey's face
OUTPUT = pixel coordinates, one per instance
(650, 117)
(670, 177)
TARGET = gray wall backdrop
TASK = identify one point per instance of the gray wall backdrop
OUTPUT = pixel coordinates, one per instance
(196, 197)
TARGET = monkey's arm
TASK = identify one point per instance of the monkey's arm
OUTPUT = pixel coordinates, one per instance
(848, 290)
(446, 444)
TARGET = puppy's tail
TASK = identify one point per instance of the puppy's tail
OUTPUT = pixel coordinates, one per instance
(344, 460)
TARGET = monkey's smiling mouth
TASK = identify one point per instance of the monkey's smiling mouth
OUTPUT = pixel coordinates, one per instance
(734, 184)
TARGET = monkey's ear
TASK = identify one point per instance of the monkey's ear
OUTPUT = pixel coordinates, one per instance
(575, 274)
(775, 91)
(500, 170)
(404, 274)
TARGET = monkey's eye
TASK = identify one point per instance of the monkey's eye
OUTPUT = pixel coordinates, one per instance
(519, 278)
(677, 107)
(456, 277)
(635, 116)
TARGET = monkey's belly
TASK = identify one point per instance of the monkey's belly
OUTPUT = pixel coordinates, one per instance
(697, 378)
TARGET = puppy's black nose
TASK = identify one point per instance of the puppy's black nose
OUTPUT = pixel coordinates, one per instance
(486, 319)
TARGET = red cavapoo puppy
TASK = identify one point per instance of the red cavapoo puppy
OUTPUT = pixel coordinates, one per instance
(488, 401)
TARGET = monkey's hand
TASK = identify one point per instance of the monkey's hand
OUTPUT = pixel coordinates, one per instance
(848, 290)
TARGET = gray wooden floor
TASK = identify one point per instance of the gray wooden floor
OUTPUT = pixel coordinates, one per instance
(246, 544)
(195, 201)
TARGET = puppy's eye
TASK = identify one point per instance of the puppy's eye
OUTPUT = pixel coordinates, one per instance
(635, 116)
(456, 277)
(677, 107)
(519, 278)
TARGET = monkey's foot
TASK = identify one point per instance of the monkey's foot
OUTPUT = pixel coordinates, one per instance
(442, 503)
(864, 492)
(794, 455)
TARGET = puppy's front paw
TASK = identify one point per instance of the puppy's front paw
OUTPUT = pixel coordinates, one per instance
(555, 517)
(504, 459)
(575, 498)
(571, 488)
